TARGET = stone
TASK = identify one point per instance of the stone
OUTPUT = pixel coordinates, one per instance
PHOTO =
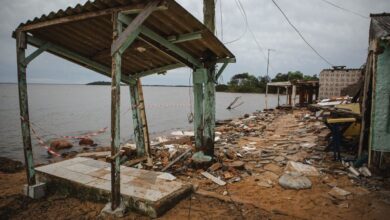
(86, 142)
(236, 164)
(294, 181)
(301, 168)
(215, 166)
(339, 193)
(228, 175)
(279, 158)
(60, 144)
(273, 168)
(231, 154)
(265, 183)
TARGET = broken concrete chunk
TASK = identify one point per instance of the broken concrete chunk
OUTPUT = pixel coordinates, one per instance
(301, 168)
(338, 193)
(294, 180)
(365, 171)
(166, 176)
(215, 166)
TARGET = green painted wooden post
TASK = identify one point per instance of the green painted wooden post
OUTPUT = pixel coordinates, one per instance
(115, 118)
(144, 123)
(21, 46)
(209, 112)
(137, 124)
(199, 77)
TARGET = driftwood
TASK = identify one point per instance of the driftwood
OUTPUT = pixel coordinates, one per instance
(234, 102)
(214, 179)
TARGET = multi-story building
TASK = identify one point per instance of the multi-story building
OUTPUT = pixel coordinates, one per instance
(332, 81)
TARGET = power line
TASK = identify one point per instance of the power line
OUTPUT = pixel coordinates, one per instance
(243, 13)
(299, 33)
(246, 27)
(345, 9)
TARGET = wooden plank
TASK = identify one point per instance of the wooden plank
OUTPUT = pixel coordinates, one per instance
(185, 37)
(132, 30)
(138, 133)
(176, 160)
(129, 9)
(23, 105)
(115, 119)
(144, 123)
(209, 112)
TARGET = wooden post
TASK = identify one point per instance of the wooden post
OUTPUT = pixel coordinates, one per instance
(137, 123)
(209, 14)
(293, 94)
(266, 96)
(278, 96)
(209, 112)
(144, 123)
(199, 77)
(115, 118)
(21, 46)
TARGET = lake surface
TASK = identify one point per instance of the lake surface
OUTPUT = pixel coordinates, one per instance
(58, 110)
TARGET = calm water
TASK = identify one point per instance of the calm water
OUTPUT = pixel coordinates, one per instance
(78, 109)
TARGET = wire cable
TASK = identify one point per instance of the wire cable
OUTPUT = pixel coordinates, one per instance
(345, 9)
(246, 27)
(300, 34)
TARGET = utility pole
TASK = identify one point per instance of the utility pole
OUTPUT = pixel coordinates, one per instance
(268, 60)
(209, 14)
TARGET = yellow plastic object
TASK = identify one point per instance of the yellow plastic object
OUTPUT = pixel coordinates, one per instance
(340, 120)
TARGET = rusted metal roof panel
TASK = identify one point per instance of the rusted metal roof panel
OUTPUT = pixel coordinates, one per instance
(92, 36)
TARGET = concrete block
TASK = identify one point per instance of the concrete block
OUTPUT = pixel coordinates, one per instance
(117, 213)
(36, 191)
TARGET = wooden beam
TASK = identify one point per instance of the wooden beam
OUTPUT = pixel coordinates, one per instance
(128, 9)
(164, 42)
(115, 119)
(132, 30)
(157, 70)
(144, 123)
(36, 53)
(226, 60)
(220, 71)
(185, 37)
(74, 57)
(23, 105)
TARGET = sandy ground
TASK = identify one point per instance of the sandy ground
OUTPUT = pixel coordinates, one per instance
(254, 202)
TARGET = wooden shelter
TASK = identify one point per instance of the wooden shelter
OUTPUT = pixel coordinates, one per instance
(305, 89)
(127, 40)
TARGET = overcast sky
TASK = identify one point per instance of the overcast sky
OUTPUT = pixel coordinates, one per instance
(339, 36)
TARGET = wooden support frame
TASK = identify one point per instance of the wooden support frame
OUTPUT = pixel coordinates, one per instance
(185, 57)
(74, 57)
(21, 45)
(132, 30)
(36, 53)
(220, 71)
(157, 70)
(115, 118)
(185, 37)
(137, 123)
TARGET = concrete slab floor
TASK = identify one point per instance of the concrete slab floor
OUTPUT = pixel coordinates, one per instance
(149, 192)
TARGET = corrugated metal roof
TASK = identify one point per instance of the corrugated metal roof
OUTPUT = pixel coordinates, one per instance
(92, 37)
(380, 25)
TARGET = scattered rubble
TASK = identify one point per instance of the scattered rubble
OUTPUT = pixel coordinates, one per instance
(294, 180)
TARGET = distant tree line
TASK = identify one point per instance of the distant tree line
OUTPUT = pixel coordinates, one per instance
(247, 83)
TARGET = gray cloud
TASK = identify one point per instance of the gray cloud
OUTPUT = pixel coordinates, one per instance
(339, 36)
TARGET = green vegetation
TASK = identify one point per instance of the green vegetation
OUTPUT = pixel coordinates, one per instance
(99, 83)
(246, 83)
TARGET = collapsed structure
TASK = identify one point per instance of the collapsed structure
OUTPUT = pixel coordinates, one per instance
(127, 40)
